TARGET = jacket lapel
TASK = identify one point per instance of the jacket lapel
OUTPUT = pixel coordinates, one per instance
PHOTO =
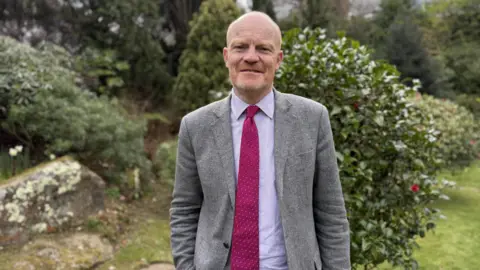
(222, 130)
(283, 120)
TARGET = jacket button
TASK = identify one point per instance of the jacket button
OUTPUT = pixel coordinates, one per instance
(226, 245)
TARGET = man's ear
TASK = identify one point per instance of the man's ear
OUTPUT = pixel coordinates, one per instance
(225, 56)
(279, 59)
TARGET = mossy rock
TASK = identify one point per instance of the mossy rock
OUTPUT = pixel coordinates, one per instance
(74, 251)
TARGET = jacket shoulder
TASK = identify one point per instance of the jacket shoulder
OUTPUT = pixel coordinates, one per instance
(204, 115)
(304, 104)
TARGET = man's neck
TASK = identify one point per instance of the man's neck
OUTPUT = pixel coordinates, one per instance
(252, 97)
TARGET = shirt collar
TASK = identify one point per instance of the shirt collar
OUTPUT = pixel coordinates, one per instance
(266, 105)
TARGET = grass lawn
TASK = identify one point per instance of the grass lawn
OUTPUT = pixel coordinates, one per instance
(455, 243)
(150, 242)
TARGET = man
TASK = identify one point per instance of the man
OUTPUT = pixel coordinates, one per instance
(257, 183)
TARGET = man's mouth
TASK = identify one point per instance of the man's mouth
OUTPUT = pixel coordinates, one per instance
(250, 70)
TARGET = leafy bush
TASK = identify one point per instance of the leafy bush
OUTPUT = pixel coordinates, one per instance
(385, 145)
(165, 160)
(24, 70)
(203, 77)
(102, 69)
(471, 102)
(72, 121)
(48, 111)
(459, 135)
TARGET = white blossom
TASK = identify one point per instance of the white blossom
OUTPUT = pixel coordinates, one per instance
(19, 148)
(13, 152)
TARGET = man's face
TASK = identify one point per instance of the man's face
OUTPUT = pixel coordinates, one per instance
(253, 55)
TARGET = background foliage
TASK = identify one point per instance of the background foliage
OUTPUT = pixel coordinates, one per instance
(385, 146)
(458, 130)
(47, 111)
(82, 78)
(200, 80)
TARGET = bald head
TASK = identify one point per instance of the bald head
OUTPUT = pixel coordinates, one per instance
(254, 20)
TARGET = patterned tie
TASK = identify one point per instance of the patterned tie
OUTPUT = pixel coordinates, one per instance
(245, 250)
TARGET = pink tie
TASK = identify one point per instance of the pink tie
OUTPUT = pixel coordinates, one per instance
(245, 250)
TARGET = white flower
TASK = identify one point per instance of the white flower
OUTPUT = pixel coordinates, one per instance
(19, 148)
(13, 152)
(51, 156)
(114, 27)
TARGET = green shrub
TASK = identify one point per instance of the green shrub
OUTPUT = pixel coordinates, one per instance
(47, 110)
(72, 121)
(165, 160)
(202, 76)
(24, 70)
(385, 145)
(102, 69)
(471, 102)
(459, 136)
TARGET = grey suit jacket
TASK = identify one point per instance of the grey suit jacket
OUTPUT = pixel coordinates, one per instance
(310, 196)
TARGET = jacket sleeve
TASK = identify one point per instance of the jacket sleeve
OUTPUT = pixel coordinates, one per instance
(331, 224)
(186, 202)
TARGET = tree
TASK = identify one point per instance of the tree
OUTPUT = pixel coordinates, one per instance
(265, 6)
(404, 49)
(132, 30)
(383, 19)
(317, 13)
(178, 14)
(203, 76)
(328, 14)
(455, 28)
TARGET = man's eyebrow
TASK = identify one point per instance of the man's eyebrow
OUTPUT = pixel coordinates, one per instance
(269, 46)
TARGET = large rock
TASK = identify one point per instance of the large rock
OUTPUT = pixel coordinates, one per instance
(48, 197)
(160, 266)
(61, 252)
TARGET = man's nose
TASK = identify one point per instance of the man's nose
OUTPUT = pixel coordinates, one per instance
(251, 55)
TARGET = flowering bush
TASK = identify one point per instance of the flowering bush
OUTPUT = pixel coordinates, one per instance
(387, 161)
(459, 131)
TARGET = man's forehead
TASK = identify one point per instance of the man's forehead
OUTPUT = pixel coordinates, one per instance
(252, 34)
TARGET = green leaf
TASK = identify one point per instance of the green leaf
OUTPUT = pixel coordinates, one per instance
(339, 156)
(122, 66)
(419, 164)
(115, 82)
(389, 232)
(336, 110)
(379, 120)
(365, 245)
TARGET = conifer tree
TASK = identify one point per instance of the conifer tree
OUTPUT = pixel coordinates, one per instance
(203, 77)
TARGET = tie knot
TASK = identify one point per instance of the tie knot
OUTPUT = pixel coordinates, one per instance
(252, 110)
